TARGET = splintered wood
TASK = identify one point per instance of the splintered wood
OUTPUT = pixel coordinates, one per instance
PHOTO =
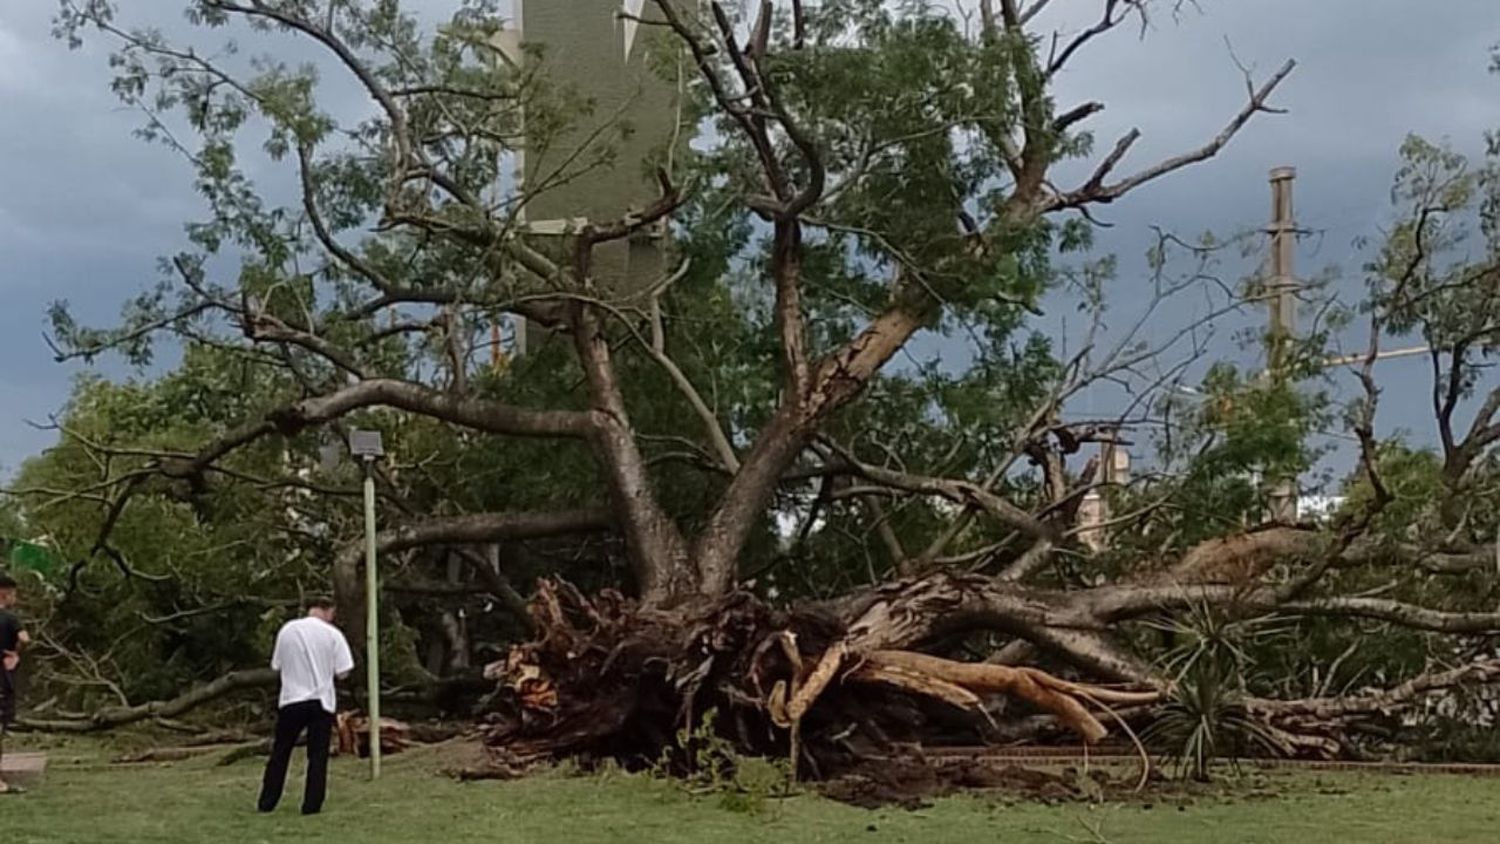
(962, 684)
(351, 735)
(608, 678)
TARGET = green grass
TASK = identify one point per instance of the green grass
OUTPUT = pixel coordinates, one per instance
(85, 800)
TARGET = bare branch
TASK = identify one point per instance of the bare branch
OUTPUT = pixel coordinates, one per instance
(1033, 10)
(1480, 672)
(956, 491)
(324, 235)
(1108, 22)
(1096, 191)
(1395, 612)
(122, 339)
(110, 717)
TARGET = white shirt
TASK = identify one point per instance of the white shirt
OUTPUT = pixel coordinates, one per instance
(310, 654)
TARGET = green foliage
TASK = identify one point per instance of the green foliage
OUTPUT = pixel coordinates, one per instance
(702, 761)
(1206, 717)
(1245, 434)
(901, 101)
(1459, 738)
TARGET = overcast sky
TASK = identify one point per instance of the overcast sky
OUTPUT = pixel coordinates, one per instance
(85, 209)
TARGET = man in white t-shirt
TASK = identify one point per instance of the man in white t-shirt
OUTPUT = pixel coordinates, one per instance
(311, 654)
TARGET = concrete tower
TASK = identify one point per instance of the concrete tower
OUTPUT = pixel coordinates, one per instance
(595, 51)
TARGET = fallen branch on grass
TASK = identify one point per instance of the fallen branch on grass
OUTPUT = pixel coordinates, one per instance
(119, 716)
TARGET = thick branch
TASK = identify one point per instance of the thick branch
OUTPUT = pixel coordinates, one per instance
(1396, 612)
(119, 716)
(1481, 672)
(656, 546)
(479, 414)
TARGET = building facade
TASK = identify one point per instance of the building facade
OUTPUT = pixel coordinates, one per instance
(601, 167)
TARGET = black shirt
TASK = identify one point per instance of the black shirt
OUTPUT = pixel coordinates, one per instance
(10, 630)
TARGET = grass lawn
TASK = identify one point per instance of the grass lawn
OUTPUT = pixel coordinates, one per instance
(84, 799)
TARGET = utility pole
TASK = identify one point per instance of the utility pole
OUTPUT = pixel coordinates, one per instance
(1282, 288)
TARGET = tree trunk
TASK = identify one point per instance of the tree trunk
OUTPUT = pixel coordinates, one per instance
(659, 557)
(717, 549)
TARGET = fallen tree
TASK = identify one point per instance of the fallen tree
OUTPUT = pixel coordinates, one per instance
(609, 677)
(874, 174)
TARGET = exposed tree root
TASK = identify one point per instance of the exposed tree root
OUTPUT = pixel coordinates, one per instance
(351, 735)
(607, 678)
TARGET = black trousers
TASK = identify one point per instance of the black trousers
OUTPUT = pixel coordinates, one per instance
(7, 706)
(291, 720)
(7, 697)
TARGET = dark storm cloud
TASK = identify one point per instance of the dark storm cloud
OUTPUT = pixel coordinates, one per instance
(85, 208)
(1367, 74)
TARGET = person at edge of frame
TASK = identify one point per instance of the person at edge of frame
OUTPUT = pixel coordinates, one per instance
(13, 638)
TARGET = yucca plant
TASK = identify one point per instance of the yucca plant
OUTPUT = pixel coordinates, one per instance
(1206, 717)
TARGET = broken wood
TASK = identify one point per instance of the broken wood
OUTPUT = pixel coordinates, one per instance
(610, 678)
(351, 735)
(163, 754)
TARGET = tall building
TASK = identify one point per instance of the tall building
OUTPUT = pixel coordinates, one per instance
(596, 50)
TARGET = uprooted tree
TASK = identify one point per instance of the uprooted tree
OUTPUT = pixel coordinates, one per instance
(771, 507)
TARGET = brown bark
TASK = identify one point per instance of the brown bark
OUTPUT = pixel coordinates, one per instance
(658, 553)
(479, 414)
(837, 379)
(1242, 558)
(717, 547)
